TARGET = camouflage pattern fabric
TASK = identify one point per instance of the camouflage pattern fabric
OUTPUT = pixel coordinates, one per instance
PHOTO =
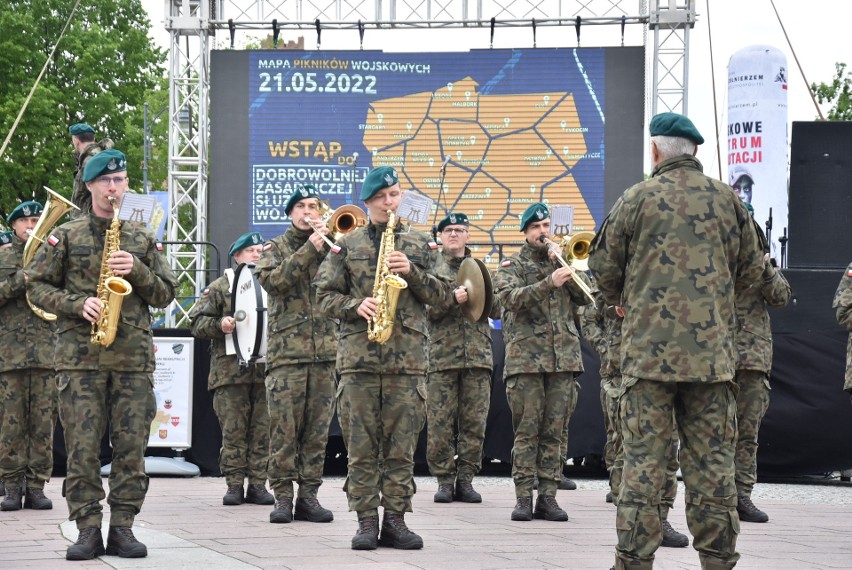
(27, 387)
(843, 310)
(80, 196)
(752, 403)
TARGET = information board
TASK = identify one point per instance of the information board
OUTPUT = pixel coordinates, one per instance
(172, 425)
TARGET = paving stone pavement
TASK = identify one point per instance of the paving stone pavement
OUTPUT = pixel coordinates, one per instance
(185, 525)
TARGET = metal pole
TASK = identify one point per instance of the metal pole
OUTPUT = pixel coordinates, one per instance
(145, 149)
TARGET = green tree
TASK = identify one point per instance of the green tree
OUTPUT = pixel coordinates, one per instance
(838, 93)
(101, 74)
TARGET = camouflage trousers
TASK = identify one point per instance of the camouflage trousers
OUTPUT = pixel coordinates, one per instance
(705, 417)
(456, 399)
(752, 403)
(539, 404)
(89, 401)
(381, 416)
(572, 404)
(28, 403)
(244, 419)
(301, 400)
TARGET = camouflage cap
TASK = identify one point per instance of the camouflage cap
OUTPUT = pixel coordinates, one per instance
(25, 210)
(5, 237)
(105, 162)
(299, 194)
(534, 213)
(245, 240)
(739, 172)
(674, 125)
(80, 128)
(376, 179)
(454, 219)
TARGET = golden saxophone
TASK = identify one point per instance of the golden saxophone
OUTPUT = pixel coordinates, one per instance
(111, 288)
(386, 288)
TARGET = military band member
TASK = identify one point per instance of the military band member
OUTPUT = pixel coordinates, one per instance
(302, 353)
(843, 311)
(6, 239)
(239, 396)
(103, 386)
(539, 300)
(382, 388)
(459, 380)
(27, 389)
(85, 147)
(672, 252)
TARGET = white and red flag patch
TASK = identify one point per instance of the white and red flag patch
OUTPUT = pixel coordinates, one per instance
(266, 246)
(206, 291)
(159, 246)
(506, 263)
(849, 273)
(52, 240)
(335, 248)
(433, 245)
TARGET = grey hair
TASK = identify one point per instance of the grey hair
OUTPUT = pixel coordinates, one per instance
(670, 147)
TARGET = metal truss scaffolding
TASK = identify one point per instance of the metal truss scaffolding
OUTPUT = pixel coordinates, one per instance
(193, 24)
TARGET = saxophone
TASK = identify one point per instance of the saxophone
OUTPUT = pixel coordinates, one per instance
(111, 289)
(386, 289)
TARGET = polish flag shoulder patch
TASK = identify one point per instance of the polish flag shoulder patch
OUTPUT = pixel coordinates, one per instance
(159, 246)
(52, 240)
(433, 245)
(506, 263)
(267, 246)
(849, 273)
(206, 291)
(336, 248)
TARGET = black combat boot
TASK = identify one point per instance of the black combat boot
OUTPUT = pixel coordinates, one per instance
(90, 544)
(258, 495)
(745, 508)
(367, 535)
(35, 499)
(234, 495)
(466, 493)
(12, 502)
(523, 509)
(566, 484)
(673, 538)
(395, 533)
(548, 509)
(444, 494)
(122, 543)
(609, 497)
(283, 511)
(310, 509)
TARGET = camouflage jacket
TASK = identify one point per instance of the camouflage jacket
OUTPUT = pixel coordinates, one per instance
(843, 309)
(298, 331)
(455, 342)
(26, 340)
(672, 252)
(205, 317)
(66, 271)
(345, 279)
(601, 328)
(539, 319)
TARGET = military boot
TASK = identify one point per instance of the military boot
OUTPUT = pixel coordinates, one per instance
(258, 495)
(234, 495)
(566, 484)
(673, 538)
(283, 511)
(122, 543)
(12, 502)
(548, 509)
(367, 535)
(310, 509)
(523, 509)
(466, 493)
(444, 494)
(395, 533)
(745, 508)
(89, 545)
(609, 497)
(35, 499)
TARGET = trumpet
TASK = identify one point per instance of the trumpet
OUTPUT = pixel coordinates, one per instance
(567, 264)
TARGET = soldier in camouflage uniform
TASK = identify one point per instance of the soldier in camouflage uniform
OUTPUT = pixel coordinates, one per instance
(27, 389)
(85, 147)
(843, 309)
(672, 252)
(754, 363)
(459, 381)
(382, 392)
(302, 351)
(103, 385)
(539, 299)
(239, 396)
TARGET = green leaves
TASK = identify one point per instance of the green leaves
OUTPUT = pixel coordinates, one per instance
(838, 93)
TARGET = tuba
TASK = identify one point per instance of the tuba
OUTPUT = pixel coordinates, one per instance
(55, 207)
(111, 288)
(386, 288)
(575, 249)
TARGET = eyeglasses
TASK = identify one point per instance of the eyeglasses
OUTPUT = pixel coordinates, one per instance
(452, 231)
(105, 180)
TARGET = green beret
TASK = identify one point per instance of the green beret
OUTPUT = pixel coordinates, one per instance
(105, 162)
(674, 125)
(535, 213)
(25, 210)
(246, 240)
(5, 237)
(376, 179)
(454, 219)
(299, 194)
(80, 128)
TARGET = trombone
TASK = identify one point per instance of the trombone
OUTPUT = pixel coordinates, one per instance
(339, 222)
(573, 251)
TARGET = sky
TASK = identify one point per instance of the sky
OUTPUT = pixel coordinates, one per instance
(819, 32)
